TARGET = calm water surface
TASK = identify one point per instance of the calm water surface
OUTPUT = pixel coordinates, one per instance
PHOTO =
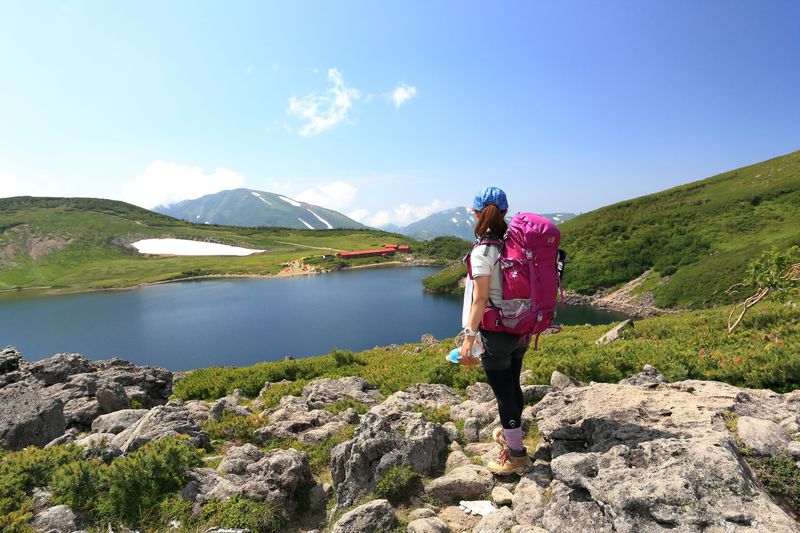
(242, 321)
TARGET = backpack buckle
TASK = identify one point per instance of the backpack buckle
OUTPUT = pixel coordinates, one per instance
(529, 254)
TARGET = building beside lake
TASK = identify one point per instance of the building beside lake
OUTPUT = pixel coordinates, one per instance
(388, 250)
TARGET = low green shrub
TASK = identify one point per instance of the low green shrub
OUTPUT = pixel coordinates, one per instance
(76, 484)
(23, 470)
(238, 512)
(399, 484)
(131, 489)
(344, 405)
(136, 483)
(780, 475)
(439, 416)
(234, 428)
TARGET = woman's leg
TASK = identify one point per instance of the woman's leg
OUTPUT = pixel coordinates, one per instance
(508, 401)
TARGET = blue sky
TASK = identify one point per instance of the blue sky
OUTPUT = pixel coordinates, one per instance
(392, 110)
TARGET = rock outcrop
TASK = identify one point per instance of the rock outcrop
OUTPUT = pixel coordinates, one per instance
(40, 400)
(29, 417)
(162, 421)
(633, 458)
(358, 464)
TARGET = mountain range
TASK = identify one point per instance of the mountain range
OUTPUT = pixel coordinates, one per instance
(250, 208)
(456, 222)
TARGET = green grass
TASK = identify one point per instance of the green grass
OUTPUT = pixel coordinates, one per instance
(695, 345)
(702, 235)
(93, 256)
(447, 280)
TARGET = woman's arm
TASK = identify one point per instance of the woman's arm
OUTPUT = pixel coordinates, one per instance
(480, 299)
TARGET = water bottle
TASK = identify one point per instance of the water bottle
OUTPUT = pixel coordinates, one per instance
(477, 350)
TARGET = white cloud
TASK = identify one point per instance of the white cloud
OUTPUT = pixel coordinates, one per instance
(334, 195)
(402, 215)
(164, 183)
(322, 112)
(403, 93)
(9, 184)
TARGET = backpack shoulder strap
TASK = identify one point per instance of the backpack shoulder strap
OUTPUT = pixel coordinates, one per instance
(486, 241)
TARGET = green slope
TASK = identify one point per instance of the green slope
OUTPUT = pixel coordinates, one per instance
(702, 235)
(71, 244)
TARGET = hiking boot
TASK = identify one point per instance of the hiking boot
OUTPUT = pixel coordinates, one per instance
(500, 438)
(508, 464)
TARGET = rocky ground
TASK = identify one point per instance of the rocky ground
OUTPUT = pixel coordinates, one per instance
(642, 455)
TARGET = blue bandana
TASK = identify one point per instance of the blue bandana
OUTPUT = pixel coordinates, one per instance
(490, 195)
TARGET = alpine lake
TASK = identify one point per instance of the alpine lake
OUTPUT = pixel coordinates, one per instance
(233, 322)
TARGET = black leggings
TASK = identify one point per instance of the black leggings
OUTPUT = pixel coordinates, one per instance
(502, 363)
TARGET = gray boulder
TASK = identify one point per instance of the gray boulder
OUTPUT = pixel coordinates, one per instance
(431, 524)
(575, 510)
(149, 385)
(458, 520)
(500, 520)
(58, 519)
(10, 359)
(280, 477)
(228, 404)
(117, 421)
(467, 482)
(502, 496)
(376, 515)
(764, 437)
(59, 367)
(66, 438)
(649, 377)
(28, 417)
(323, 392)
(161, 421)
(528, 501)
(485, 412)
(456, 459)
(358, 464)
(562, 381)
(111, 396)
(616, 332)
(238, 458)
(480, 392)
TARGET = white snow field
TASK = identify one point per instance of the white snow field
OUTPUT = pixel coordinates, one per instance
(187, 247)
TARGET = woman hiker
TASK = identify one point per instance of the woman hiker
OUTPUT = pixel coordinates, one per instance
(503, 352)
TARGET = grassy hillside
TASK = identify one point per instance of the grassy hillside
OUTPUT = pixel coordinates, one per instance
(72, 244)
(702, 235)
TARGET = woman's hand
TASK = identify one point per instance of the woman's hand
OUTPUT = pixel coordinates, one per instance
(467, 359)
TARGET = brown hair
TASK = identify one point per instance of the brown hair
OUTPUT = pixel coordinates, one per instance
(490, 220)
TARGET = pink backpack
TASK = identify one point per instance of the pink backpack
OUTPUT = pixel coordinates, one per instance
(529, 262)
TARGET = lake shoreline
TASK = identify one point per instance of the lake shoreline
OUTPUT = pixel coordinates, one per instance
(49, 291)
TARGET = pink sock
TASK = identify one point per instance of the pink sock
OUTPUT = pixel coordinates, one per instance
(514, 438)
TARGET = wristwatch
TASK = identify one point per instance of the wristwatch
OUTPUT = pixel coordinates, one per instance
(470, 332)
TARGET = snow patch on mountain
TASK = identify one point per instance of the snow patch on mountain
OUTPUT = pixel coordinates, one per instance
(289, 201)
(260, 197)
(320, 218)
(309, 226)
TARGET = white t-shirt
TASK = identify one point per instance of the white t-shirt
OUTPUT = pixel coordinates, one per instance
(483, 259)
